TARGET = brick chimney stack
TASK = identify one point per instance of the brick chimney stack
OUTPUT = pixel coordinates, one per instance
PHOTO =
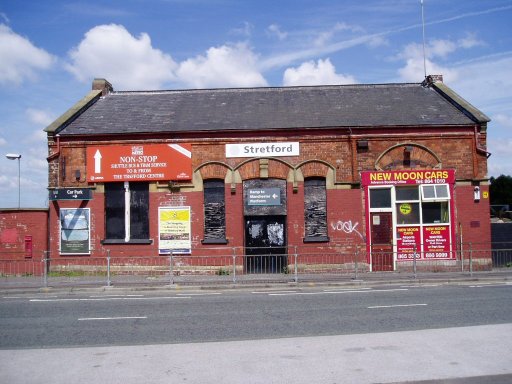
(434, 79)
(102, 85)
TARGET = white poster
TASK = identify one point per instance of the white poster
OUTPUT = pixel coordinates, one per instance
(75, 231)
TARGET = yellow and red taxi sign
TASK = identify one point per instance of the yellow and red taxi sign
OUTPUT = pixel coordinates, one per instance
(429, 176)
(139, 162)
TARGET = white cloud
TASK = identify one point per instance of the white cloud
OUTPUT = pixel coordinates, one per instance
(500, 162)
(275, 30)
(440, 48)
(39, 117)
(311, 73)
(416, 62)
(502, 119)
(486, 83)
(245, 30)
(325, 37)
(2, 142)
(414, 68)
(128, 62)
(38, 136)
(20, 58)
(224, 66)
(470, 41)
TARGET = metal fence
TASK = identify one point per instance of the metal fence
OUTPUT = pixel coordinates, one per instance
(239, 265)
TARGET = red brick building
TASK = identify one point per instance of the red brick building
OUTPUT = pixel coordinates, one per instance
(395, 169)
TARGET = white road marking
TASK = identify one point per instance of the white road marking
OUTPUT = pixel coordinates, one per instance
(337, 292)
(199, 294)
(489, 285)
(270, 292)
(112, 318)
(116, 296)
(111, 299)
(397, 305)
(21, 297)
(346, 289)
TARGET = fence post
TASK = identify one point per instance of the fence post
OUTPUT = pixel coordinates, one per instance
(461, 248)
(414, 262)
(295, 266)
(355, 264)
(234, 265)
(171, 272)
(461, 258)
(109, 282)
(470, 260)
(45, 268)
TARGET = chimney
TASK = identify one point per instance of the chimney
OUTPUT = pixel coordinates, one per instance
(434, 79)
(102, 85)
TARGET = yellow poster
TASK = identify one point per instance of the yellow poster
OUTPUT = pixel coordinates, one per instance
(174, 230)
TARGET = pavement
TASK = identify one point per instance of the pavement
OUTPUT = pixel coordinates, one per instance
(479, 354)
(10, 285)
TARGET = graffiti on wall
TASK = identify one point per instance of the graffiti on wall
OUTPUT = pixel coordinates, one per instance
(347, 227)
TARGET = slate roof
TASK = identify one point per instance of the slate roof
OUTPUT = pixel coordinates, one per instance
(247, 109)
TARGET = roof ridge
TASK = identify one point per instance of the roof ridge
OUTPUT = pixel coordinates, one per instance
(269, 88)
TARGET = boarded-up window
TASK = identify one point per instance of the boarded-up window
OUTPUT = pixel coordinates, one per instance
(117, 214)
(214, 211)
(315, 210)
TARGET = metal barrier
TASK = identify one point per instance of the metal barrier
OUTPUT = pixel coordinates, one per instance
(235, 265)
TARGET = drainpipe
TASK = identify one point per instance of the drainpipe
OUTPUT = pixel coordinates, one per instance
(478, 147)
(353, 156)
(57, 153)
(49, 229)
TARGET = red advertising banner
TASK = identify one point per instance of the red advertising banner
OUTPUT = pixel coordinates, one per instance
(139, 162)
(436, 242)
(431, 176)
(408, 241)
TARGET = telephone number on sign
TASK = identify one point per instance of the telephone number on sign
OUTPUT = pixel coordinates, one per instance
(431, 181)
(436, 254)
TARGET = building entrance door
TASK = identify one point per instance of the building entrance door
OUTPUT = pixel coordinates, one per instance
(382, 241)
(265, 244)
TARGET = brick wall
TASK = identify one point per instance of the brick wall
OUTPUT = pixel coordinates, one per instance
(473, 218)
(324, 153)
(23, 241)
(19, 228)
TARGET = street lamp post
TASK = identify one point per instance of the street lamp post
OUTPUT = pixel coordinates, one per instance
(16, 156)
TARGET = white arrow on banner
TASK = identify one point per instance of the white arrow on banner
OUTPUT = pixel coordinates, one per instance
(181, 150)
(97, 161)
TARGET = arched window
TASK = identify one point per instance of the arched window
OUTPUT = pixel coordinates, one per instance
(214, 212)
(315, 210)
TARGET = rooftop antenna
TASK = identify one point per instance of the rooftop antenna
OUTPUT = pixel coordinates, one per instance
(423, 27)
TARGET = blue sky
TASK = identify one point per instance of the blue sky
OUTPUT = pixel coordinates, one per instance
(50, 51)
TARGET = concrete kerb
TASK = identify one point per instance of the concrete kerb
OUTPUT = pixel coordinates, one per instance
(374, 281)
